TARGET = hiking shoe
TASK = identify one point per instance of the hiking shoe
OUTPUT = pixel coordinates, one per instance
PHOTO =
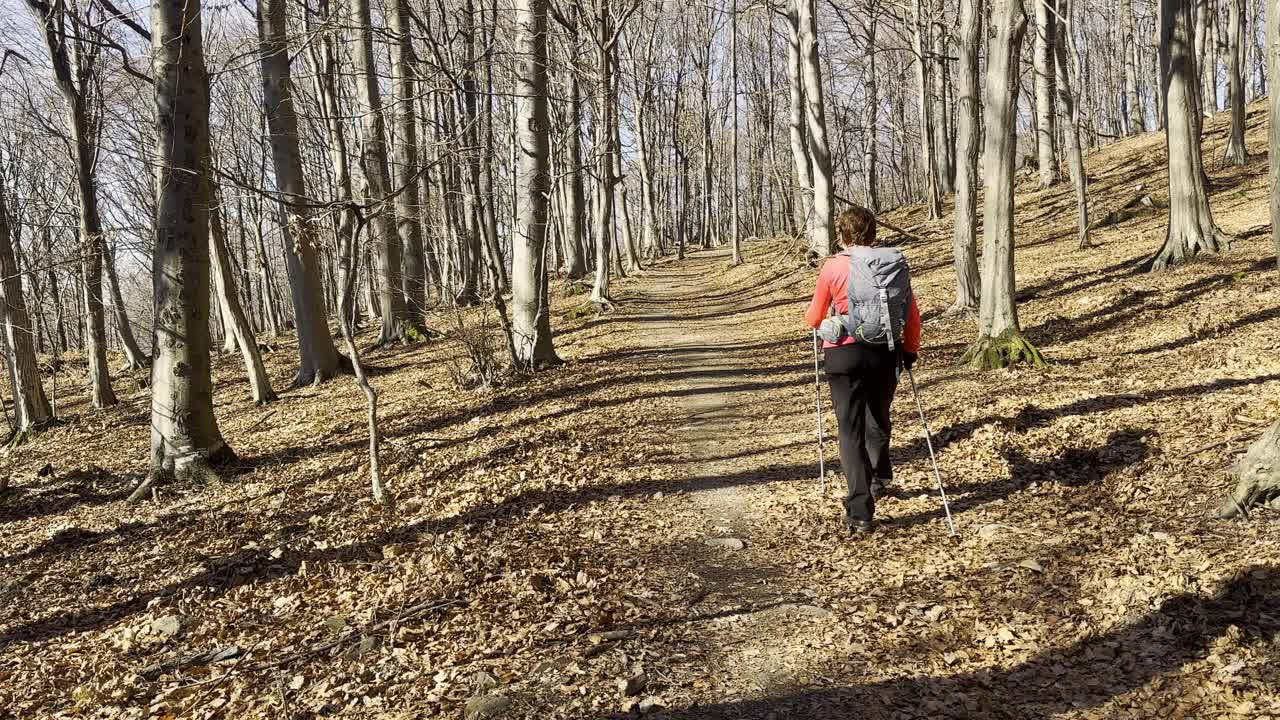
(880, 487)
(860, 527)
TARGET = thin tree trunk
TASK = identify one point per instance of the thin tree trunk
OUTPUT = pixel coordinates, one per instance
(134, 357)
(1273, 120)
(1236, 153)
(237, 325)
(31, 407)
(933, 189)
(1068, 81)
(968, 131)
(796, 123)
(1131, 49)
(822, 237)
(373, 158)
(408, 223)
(1046, 113)
(317, 356)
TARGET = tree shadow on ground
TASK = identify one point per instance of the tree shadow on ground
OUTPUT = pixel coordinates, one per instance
(1086, 674)
(82, 487)
(1075, 467)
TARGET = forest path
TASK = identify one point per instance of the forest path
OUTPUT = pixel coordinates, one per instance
(751, 618)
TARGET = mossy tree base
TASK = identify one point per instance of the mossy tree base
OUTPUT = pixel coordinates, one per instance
(1009, 348)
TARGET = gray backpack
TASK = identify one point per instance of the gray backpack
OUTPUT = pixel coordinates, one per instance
(879, 296)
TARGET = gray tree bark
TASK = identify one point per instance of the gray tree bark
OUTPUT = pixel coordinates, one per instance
(373, 159)
(1236, 153)
(185, 440)
(30, 404)
(796, 123)
(968, 131)
(933, 188)
(1258, 472)
(1046, 112)
(408, 223)
(1131, 49)
(317, 355)
(1000, 341)
(822, 236)
(57, 39)
(133, 356)
(531, 313)
(1068, 81)
(1191, 226)
(237, 325)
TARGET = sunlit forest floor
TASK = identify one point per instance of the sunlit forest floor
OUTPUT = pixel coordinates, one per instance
(642, 529)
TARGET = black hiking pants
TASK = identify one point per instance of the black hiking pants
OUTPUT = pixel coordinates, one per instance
(863, 379)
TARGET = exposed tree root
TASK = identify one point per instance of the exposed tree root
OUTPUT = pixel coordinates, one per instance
(1009, 348)
(962, 310)
(1258, 478)
(199, 469)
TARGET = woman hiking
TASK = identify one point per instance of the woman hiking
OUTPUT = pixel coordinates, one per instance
(874, 332)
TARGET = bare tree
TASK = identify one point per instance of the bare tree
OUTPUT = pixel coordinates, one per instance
(531, 323)
(185, 440)
(31, 408)
(1000, 341)
(73, 83)
(1236, 153)
(1191, 226)
(1068, 81)
(1046, 112)
(968, 108)
(822, 226)
(317, 356)
(373, 160)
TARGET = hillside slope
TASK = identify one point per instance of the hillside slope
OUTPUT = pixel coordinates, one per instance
(643, 525)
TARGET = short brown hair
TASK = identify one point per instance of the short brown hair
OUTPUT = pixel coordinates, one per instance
(856, 226)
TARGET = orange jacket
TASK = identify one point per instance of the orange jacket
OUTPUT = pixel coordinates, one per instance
(833, 288)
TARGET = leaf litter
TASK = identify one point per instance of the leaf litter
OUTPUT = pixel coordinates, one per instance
(551, 541)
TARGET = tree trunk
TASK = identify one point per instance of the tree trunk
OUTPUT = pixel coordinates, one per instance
(70, 85)
(796, 123)
(1204, 57)
(30, 405)
(408, 223)
(1068, 80)
(373, 158)
(604, 149)
(968, 107)
(317, 356)
(575, 263)
(1273, 120)
(1046, 113)
(1000, 341)
(134, 357)
(237, 325)
(871, 119)
(1236, 153)
(944, 151)
(734, 233)
(822, 237)
(1191, 226)
(1131, 48)
(933, 188)
(531, 313)
(185, 439)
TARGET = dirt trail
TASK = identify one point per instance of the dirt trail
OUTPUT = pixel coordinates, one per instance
(749, 615)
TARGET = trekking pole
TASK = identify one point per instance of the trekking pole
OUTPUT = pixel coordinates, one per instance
(928, 439)
(817, 404)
